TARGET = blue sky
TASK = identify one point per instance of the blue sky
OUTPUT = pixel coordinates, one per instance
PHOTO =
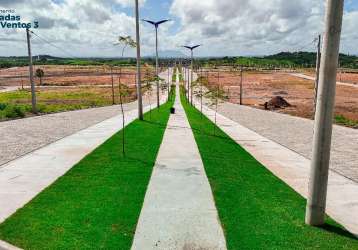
(351, 5)
(156, 10)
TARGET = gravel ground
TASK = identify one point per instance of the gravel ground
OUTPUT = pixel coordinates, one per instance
(296, 134)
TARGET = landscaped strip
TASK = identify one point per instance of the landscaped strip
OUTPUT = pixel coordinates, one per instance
(17, 104)
(257, 209)
(97, 203)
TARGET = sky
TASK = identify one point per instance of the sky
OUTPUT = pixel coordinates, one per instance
(90, 28)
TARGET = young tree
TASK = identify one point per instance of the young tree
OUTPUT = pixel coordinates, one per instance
(149, 88)
(123, 93)
(125, 41)
(199, 92)
(40, 74)
(215, 95)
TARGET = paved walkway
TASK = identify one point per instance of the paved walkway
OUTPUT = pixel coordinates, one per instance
(293, 168)
(4, 89)
(23, 178)
(296, 134)
(19, 137)
(179, 210)
(22, 136)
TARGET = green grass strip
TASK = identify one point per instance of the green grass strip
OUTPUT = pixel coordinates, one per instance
(257, 209)
(96, 204)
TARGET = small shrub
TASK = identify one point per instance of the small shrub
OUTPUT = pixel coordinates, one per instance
(14, 111)
(3, 106)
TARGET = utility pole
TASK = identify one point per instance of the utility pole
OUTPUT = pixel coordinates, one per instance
(188, 76)
(318, 65)
(31, 74)
(156, 64)
(191, 77)
(201, 92)
(138, 78)
(241, 85)
(317, 192)
(168, 81)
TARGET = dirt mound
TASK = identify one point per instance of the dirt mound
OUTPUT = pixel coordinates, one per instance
(277, 102)
(280, 93)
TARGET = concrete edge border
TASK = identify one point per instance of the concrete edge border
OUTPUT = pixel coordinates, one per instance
(7, 246)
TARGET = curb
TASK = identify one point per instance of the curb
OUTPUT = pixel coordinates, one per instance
(7, 246)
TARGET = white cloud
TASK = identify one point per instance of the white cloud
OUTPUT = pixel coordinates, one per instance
(82, 27)
(237, 27)
(225, 27)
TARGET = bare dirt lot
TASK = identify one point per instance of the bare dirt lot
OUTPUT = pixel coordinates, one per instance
(67, 88)
(59, 75)
(259, 87)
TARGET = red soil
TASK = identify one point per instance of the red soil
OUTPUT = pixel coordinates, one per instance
(58, 75)
(260, 87)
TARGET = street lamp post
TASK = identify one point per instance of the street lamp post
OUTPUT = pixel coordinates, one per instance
(191, 66)
(139, 87)
(156, 25)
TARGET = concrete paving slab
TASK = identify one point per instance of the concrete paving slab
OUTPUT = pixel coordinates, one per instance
(293, 169)
(6, 246)
(179, 210)
(4, 89)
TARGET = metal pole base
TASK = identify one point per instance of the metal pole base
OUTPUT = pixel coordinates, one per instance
(315, 216)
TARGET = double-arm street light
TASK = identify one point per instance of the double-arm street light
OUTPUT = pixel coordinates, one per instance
(191, 48)
(156, 25)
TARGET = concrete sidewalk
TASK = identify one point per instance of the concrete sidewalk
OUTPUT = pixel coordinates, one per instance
(293, 169)
(303, 76)
(179, 210)
(22, 136)
(4, 89)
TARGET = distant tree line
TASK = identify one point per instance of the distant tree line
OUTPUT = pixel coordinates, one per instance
(283, 59)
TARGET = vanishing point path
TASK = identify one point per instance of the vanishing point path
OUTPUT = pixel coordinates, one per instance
(179, 210)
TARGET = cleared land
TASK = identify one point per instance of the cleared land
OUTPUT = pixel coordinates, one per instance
(260, 86)
(64, 75)
(252, 215)
(67, 88)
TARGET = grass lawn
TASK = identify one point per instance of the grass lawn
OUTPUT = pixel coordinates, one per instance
(97, 203)
(257, 210)
(17, 104)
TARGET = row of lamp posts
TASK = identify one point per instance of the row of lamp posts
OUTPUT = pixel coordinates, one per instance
(316, 200)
